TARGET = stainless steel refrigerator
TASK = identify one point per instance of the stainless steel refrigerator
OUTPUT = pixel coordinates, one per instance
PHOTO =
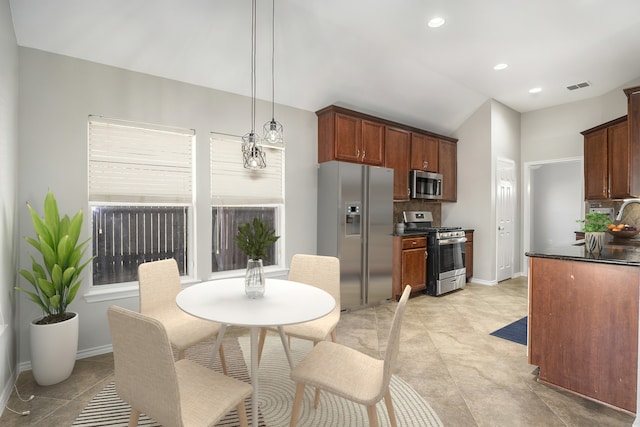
(355, 224)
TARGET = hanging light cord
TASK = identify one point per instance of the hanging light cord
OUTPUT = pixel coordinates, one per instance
(273, 55)
(253, 157)
(253, 66)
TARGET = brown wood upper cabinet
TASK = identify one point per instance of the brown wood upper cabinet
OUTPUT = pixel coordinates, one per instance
(396, 156)
(437, 155)
(447, 166)
(424, 152)
(612, 154)
(633, 114)
(608, 161)
(350, 138)
(356, 137)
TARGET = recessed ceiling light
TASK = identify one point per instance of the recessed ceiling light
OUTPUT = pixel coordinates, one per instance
(500, 66)
(535, 90)
(436, 22)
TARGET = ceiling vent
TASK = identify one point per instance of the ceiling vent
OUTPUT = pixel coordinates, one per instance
(578, 85)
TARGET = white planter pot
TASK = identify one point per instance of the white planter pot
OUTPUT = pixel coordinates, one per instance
(53, 350)
(594, 241)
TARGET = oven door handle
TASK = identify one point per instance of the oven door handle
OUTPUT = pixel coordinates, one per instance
(452, 241)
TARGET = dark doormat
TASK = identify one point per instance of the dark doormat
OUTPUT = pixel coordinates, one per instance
(516, 331)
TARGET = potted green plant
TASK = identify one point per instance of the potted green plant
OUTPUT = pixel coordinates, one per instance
(54, 336)
(254, 239)
(594, 226)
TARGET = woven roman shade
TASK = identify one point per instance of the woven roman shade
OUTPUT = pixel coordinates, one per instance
(139, 163)
(232, 184)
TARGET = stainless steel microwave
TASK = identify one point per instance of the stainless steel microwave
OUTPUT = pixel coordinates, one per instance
(425, 185)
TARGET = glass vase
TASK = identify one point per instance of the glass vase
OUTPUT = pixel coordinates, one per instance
(254, 279)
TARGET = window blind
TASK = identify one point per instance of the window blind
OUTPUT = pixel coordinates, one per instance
(232, 184)
(139, 163)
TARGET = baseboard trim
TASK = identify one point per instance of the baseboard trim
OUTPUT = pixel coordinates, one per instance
(7, 389)
(482, 282)
(83, 354)
(494, 282)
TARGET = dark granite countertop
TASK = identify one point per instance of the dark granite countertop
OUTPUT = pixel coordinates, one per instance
(420, 233)
(410, 234)
(624, 252)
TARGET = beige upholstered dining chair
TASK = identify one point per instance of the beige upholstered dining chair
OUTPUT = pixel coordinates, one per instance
(180, 393)
(351, 374)
(322, 272)
(159, 286)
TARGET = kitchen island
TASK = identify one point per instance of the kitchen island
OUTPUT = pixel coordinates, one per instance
(583, 320)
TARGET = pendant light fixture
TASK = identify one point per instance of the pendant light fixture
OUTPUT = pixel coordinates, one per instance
(252, 155)
(273, 133)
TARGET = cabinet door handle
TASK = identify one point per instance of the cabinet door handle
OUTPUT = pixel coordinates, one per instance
(357, 153)
(364, 153)
(425, 164)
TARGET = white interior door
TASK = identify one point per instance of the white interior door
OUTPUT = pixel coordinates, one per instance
(504, 213)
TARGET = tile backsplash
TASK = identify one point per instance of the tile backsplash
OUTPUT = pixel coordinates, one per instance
(418, 205)
(631, 214)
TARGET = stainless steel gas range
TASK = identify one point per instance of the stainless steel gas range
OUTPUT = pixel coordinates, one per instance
(445, 252)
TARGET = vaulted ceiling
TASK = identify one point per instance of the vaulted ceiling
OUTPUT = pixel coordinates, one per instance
(376, 56)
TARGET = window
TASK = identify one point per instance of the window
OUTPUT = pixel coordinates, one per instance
(126, 236)
(226, 219)
(140, 194)
(238, 195)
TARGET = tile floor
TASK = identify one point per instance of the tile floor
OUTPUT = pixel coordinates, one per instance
(469, 377)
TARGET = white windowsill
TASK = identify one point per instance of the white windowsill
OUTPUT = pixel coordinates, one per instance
(130, 290)
(111, 292)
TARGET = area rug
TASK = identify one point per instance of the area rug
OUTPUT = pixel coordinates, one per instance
(516, 331)
(276, 392)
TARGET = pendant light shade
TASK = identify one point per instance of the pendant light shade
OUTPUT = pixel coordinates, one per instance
(252, 155)
(273, 133)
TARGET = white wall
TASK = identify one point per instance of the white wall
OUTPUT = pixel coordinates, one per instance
(57, 94)
(8, 196)
(492, 132)
(505, 143)
(554, 133)
(473, 209)
(557, 202)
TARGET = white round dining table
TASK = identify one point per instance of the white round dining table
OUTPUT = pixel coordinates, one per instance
(284, 302)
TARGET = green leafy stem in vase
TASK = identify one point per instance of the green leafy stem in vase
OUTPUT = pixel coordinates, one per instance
(254, 239)
(595, 221)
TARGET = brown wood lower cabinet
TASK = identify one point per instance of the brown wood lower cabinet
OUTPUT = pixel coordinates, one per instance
(468, 253)
(583, 328)
(409, 264)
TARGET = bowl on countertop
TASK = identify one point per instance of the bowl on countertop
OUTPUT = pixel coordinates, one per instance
(624, 234)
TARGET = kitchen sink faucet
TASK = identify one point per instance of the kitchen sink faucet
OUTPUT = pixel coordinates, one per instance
(624, 205)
